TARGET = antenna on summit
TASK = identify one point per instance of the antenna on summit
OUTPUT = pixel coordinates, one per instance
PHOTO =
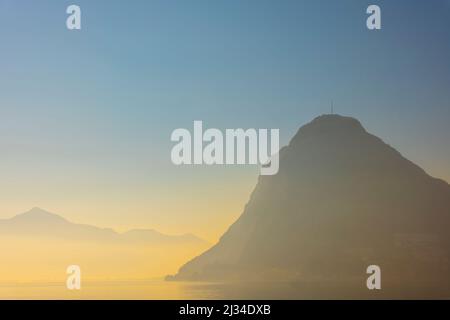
(332, 107)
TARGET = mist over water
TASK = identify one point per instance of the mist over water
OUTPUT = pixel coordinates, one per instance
(159, 289)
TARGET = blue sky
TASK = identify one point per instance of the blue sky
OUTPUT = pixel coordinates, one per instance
(96, 107)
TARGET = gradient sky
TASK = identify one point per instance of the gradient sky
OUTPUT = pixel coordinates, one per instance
(86, 116)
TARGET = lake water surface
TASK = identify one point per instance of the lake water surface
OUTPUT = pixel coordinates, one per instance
(164, 290)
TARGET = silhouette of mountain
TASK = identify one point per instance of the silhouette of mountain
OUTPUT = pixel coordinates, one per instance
(341, 201)
(39, 224)
(50, 243)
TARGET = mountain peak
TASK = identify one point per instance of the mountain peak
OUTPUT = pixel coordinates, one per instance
(330, 124)
(39, 215)
(37, 209)
(336, 119)
(342, 198)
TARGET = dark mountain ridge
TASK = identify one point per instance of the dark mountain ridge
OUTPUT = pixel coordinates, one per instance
(342, 200)
(39, 223)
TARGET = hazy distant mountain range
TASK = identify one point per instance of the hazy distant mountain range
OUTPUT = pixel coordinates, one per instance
(38, 223)
(39, 246)
(342, 200)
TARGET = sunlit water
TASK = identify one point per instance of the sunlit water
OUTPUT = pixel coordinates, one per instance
(148, 289)
(164, 290)
(153, 290)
